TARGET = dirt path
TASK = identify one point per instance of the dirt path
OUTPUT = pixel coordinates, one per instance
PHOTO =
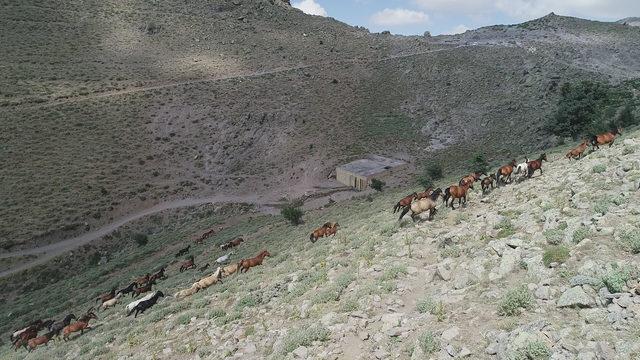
(247, 75)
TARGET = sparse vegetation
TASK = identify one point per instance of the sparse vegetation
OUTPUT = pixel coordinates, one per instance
(428, 344)
(505, 228)
(631, 240)
(534, 350)
(600, 168)
(514, 301)
(555, 254)
(377, 184)
(140, 239)
(304, 337)
(580, 234)
(293, 214)
(616, 279)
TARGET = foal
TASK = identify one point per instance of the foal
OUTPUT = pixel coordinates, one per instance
(473, 177)
(505, 172)
(404, 202)
(487, 183)
(536, 164)
(457, 192)
(246, 264)
(576, 153)
(425, 194)
(606, 138)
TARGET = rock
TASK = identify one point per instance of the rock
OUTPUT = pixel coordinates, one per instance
(167, 351)
(575, 297)
(450, 350)
(586, 355)
(301, 352)
(492, 349)
(508, 262)
(249, 348)
(363, 335)
(515, 242)
(390, 321)
(580, 280)
(543, 293)
(443, 272)
(604, 352)
(450, 334)
(624, 301)
(464, 352)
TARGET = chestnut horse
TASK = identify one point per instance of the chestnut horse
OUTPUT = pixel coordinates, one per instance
(332, 229)
(576, 153)
(42, 339)
(606, 138)
(158, 275)
(425, 194)
(505, 172)
(457, 192)
(536, 164)
(233, 243)
(142, 289)
(473, 177)
(404, 202)
(79, 325)
(142, 280)
(107, 296)
(189, 264)
(22, 339)
(246, 264)
(318, 233)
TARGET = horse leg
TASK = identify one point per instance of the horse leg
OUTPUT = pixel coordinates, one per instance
(404, 212)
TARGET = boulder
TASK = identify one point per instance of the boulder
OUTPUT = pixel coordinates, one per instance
(575, 297)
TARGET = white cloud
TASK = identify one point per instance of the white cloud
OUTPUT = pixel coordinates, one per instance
(457, 30)
(458, 6)
(310, 7)
(395, 17)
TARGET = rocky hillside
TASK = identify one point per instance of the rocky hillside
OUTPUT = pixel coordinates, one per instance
(541, 268)
(115, 107)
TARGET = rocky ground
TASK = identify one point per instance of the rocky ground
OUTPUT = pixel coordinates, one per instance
(540, 268)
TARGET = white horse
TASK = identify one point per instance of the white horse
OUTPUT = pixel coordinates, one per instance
(109, 303)
(224, 259)
(522, 169)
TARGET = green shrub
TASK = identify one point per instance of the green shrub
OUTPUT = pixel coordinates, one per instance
(555, 254)
(247, 301)
(425, 305)
(514, 301)
(304, 337)
(293, 214)
(631, 240)
(616, 279)
(377, 184)
(534, 350)
(394, 272)
(480, 164)
(427, 343)
(430, 174)
(505, 228)
(140, 239)
(554, 236)
(580, 234)
(600, 168)
(601, 207)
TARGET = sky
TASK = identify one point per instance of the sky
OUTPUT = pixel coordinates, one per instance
(414, 17)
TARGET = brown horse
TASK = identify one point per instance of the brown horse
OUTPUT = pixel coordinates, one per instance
(79, 325)
(142, 280)
(423, 205)
(606, 138)
(142, 289)
(233, 243)
(505, 172)
(107, 296)
(246, 264)
(457, 192)
(473, 177)
(23, 338)
(576, 153)
(536, 165)
(199, 239)
(189, 264)
(158, 275)
(332, 229)
(404, 202)
(487, 183)
(42, 339)
(425, 194)
(319, 232)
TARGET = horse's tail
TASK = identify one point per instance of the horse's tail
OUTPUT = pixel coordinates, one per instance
(594, 140)
(498, 178)
(396, 207)
(311, 238)
(447, 195)
(404, 211)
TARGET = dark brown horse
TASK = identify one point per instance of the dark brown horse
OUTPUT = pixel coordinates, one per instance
(457, 192)
(246, 264)
(143, 279)
(487, 183)
(79, 325)
(189, 264)
(536, 165)
(473, 177)
(233, 243)
(425, 194)
(504, 172)
(159, 275)
(404, 202)
(332, 229)
(107, 296)
(23, 338)
(576, 153)
(142, 289)
(606, 138)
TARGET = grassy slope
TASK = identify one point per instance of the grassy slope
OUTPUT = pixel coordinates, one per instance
(371, 257)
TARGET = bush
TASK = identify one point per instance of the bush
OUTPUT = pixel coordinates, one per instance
(140, 239)
(631, 240)
(377, 184)
(431, 173)
(554, 236)
(304, 337)
(480, 164)
(555, 254)
(616, 279)
(505, 228)
(580, 234)
(427, 343)
(601, 207)
(514, 301)
(600, 168)
(534, 350)
(293, 214)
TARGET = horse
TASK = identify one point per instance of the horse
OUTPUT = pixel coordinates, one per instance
(423, 205)
(424, 194)
(143, 289)
(246, 264)
(210, 280)
(230, 269)
(576, 152)
(404, 202)
(505, 172)
(521, 169)
(200, 238)
(107, 296)
(142, 306)
(37, 323)
(143, 279)
(57, 326)
(43, 339)
(473, 177)
(133, 304)
(189, 264)
(318, 233)
(457, 192)
(487, 183)
(605, 138)
(536, 165)
(109, 303)
(332, 229)
(204, 267)
(159, 275)
(128, 289)
(22, 339)
(223, 259)
(183, 251)
(233, 243)
(79, 325)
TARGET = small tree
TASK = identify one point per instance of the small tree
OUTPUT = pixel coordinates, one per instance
(140, 239)
(377, 184)
(480, 163)
(293, 214)
(431, 173)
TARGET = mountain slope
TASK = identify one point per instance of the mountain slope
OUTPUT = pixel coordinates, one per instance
(115, 107)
